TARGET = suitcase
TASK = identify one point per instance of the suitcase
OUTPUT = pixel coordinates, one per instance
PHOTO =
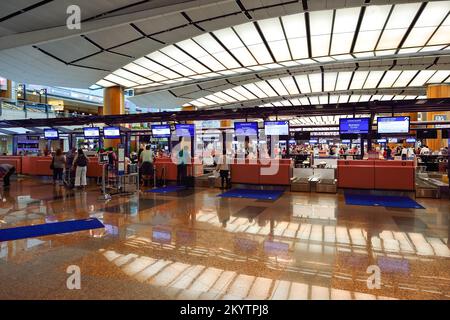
(189, 180)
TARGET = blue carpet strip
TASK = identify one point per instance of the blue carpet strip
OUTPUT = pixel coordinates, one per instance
(46, 229)
(167, 189)
(381, 201)
(252, 194)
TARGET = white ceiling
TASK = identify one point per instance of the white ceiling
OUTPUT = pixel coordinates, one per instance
(176, 52)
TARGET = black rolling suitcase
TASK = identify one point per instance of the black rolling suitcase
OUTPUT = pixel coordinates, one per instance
(189, 180)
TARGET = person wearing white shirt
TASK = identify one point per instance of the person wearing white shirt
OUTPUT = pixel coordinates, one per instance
(425, 151)
(404, 153)
(223, 167)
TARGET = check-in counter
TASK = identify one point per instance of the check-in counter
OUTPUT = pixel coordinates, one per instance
(94, 169)
(357, 174)
(40, 166)
(395, 175)
(36, 166)
(265, 172)
(376, 174)
(170, 168)
(15, 161)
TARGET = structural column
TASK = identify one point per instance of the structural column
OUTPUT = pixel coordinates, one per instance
(437, 91)
(113, 104)
(9, 92)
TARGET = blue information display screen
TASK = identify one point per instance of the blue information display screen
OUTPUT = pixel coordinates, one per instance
(381, 140)
(411, 140)
(346, 141)
(51, 134)
(356, 125)
(246, 128)
(111, 132)
(91, 133)
(276, 128)
(313, 141)
(185, 130)
(393, 125)
(161, 130)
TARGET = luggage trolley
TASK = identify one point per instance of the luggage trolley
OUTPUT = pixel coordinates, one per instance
(116, 181)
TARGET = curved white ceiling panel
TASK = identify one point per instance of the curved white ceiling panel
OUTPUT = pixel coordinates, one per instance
(293, 40)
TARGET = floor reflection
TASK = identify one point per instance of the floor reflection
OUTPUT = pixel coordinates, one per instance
(195, 245)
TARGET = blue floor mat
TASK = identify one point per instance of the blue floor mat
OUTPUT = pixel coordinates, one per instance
(354, 199)
(252, 194)
(167, 189)
(46, 229)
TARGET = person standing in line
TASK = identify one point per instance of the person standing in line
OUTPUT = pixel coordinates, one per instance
(183, 160)
(388, 153)
(223, 167)
(146, 159)
(58, 163)
(80, 163)
(6, 171)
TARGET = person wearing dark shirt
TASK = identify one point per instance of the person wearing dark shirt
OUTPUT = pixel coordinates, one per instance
(388, 153)
(6, 171)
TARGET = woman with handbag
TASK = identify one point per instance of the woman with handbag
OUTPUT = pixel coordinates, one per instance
(58, 163)
(81, 163)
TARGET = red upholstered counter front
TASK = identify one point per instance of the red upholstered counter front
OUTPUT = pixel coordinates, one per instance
(376, 174)
(40, 166)
(395, 175)
(275, 172)
(195, 169)
(358, 174)
(15, 161)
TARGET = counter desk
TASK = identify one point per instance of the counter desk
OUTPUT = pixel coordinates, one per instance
(263, 172)
(377, 174)
(40, 165)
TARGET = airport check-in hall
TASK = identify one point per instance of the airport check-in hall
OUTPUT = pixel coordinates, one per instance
(224, 150)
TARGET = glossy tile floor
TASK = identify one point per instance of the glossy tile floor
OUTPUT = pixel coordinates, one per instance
(195, 245)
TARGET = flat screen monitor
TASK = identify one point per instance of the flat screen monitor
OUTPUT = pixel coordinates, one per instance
(111, 132)
(354, 125)
(185, 130)
(392, 140)
(346, 141)
(388, 125)
(246, 128)
(313, 141)
(411, 140)
(426, 134)
(161, 130)
(91, 133)
(276, 128)
(51, 134)
(381, 140)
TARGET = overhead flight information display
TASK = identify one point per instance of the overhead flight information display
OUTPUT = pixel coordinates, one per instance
(276, 128)
(51, 134)
(161, 130)
(185, 130)
(393, 125)
(354, 125)
(111, 132)
(246, 128)
(91, 133)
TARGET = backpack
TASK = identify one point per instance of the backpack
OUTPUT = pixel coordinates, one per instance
(81, 161)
